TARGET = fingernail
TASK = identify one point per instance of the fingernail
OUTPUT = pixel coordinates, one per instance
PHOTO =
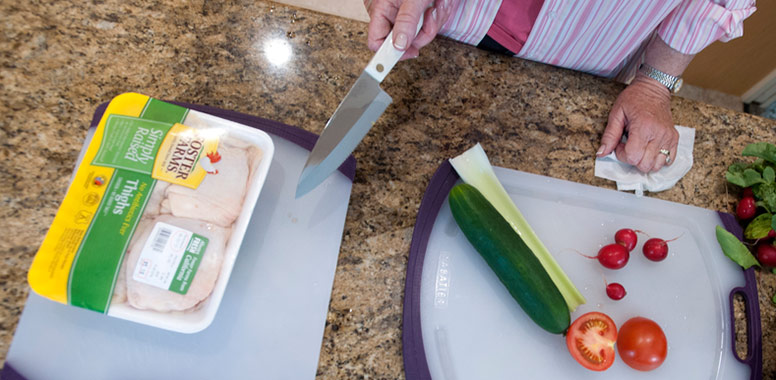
(400, 41)
(600, 150)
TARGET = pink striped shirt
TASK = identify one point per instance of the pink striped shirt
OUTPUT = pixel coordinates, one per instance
(608, 37)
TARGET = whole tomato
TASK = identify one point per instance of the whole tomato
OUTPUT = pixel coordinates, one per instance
(642, 344)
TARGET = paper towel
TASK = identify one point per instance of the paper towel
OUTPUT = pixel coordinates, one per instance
(628, 177)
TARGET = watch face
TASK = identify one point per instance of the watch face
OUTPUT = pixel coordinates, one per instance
(678, 85)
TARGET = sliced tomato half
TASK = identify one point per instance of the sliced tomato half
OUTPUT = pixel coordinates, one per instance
(590, 340)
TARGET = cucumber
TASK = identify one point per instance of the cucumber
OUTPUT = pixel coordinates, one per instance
(510, 258)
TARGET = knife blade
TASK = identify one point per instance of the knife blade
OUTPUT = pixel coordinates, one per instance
(352, 119)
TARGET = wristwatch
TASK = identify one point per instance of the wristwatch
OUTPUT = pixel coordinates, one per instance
(673, 83)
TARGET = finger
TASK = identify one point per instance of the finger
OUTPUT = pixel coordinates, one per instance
(673, 145)
(433, 20)
(411, 53)
(669, 143)
(636, 147)
(650, 157)
(660, 161)
(406, 23)
(381, 16)
(613, 131)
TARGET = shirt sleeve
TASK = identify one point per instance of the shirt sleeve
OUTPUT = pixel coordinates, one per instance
(695, 24)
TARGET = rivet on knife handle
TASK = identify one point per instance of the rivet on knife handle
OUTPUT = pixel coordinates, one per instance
(386, 57)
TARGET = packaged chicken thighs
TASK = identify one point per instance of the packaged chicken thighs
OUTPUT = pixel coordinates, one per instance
(155, 214)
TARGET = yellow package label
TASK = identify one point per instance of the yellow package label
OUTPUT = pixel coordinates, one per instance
(186, 156)
(138, 141)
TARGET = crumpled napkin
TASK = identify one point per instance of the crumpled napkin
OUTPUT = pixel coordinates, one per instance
(628, 177)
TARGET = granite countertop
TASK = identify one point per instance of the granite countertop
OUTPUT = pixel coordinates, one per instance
(59, 61)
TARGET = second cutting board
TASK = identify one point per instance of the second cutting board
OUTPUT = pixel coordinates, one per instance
(461, 323)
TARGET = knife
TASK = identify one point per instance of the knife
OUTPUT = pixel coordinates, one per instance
(352, 119)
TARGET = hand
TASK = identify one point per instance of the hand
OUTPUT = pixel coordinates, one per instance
(644, 110)
(402, 16)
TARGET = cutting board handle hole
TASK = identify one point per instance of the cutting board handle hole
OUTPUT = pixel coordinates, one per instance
(380, 67)
(740, 341)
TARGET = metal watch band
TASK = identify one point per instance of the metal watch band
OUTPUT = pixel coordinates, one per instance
(665, 79)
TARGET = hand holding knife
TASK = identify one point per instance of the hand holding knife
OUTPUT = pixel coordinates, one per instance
(352, 119)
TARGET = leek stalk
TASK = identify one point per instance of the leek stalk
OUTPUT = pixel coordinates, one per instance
(474, 168)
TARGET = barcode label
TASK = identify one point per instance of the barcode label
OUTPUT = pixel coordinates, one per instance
(161, 256)
(160, 240)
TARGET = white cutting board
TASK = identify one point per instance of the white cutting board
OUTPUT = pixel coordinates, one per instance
(271, 319)
(473, 329)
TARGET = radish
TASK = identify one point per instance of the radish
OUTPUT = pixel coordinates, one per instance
(766, 253)
(747, 192)
(615, 291)
(656, 249)
(627, 238)
(746, 208)
(772, 234)
(612, 256)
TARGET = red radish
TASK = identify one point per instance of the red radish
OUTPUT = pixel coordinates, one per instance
(766, 253)
(747, 192)
(615, 291)
(612, 256)
(656, 249)
(627, 238)
(746, 208)
(772, 234)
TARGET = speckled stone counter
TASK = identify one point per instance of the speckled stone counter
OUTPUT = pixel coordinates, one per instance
(59, 61)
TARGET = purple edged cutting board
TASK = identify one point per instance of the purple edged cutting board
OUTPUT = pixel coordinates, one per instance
(461, 323)
(271, 320)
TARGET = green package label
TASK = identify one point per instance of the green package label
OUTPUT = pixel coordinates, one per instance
(189, 264)
(99, 257)
(131, 143)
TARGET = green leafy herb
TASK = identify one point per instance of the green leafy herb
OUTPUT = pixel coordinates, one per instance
(735, 249)
(761, 150)
(766, 193)
(768, 174)
(759, 227)
(739, 174)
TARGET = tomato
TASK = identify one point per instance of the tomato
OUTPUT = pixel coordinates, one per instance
(590, 340)
(642, 344)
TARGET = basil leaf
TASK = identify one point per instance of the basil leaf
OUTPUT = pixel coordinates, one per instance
(759, 227)
(735, 249)
(762, 150)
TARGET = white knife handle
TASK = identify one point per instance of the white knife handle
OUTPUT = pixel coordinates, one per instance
(386, 57)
